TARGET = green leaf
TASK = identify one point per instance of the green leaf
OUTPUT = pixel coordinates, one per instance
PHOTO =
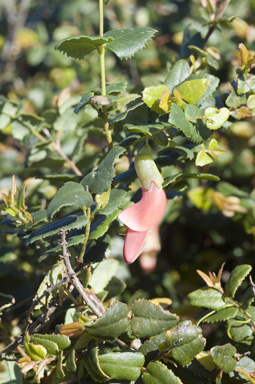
(239, 330)
(122, 365)
(146, 129)
(157, 373)
(216, 117)
(70, 195)
(118, 87)
(51, 347)
(124, 114)
(102, 274)
(197, 133)
(177, 74)
(153, 343)
(208, 298)
(152, 97)
(59, 367)
(100, 226)
(8, 110)
(122, 101)
(10, 373)
(116, 200)
(70, 362)
(207, 87)
(128, 41)
(189, 341)
(112, 324)
(84, 101)
(91, 362)
(62, 341)
(192, 90)
(222, 315)
(114, 287)
(224, 357)
(100, 180)
(150, 319)
(79, 46)
(236, 278)
(247, 298)
(72, 240)
(35, 351)
(67, 222)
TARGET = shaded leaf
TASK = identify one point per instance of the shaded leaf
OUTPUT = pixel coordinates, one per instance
(70, 195)
(157, 373)
(153, 343)
(112, 324)
(70, 362)
(224, 357)
(177, 74)
(120, 86)
(122, 365)
(150, 319)
(91, 362)
(67, 222)
(100, 226)
(190, 342)
(236, 278)
(79, 46)
(195, 133)
(100, 180)
(222, 315)
(117, 198)
(128, 41)
(84, 101)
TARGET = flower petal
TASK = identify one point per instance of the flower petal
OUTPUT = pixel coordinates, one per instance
(143, 215)
(133, 246)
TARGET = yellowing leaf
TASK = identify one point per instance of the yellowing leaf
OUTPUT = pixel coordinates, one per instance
(203, 159)
(192, 90)
(201, 198)
(152, 97)
(215, 118)
(165, 101)
(213, 145)
(161, 300)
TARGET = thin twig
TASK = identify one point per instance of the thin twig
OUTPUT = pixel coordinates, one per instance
(91, 300)
(217, 17)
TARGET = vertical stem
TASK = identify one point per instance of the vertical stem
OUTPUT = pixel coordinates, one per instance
(101, 18)
(101, 51)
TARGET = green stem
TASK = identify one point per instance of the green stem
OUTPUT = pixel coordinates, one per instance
(86, 235)
(101, 52)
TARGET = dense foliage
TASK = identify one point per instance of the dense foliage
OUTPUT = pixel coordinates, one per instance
(87, 86)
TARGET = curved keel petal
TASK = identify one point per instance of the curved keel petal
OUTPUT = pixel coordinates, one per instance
(143, 215)
(133, 246)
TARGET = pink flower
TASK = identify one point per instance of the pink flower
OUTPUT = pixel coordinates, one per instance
(140, 218)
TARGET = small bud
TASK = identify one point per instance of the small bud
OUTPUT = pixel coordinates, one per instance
(147, 171)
